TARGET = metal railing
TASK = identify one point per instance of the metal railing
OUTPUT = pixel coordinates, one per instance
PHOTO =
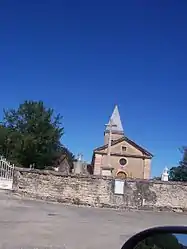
(6, 169)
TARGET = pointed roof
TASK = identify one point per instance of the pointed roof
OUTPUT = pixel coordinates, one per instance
(116, 121)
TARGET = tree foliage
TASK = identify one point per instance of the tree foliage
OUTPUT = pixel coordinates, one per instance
(180, 173)
(157, 178)
(31, 135)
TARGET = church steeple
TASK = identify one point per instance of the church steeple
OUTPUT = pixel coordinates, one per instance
(116, 121)
(117, 128)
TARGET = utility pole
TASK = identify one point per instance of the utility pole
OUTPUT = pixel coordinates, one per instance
(110, 125)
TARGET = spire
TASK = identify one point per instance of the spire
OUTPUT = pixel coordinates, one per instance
(116, 121)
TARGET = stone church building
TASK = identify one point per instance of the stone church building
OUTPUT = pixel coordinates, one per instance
(120, 156)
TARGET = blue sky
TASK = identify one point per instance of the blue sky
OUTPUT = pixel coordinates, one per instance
(83, 57)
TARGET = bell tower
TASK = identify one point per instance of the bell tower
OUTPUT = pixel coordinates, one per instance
(116, 129)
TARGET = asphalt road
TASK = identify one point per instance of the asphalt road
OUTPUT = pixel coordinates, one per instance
(36, 224)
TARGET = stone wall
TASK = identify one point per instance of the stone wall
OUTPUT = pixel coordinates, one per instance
(99, 191)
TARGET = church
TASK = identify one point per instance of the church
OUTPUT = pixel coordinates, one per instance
(119, 156)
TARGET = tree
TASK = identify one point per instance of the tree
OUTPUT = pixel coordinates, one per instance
(8, 140)
(31, 134)
(180, 173)
(69, 156)
(4, 132)
(157, 178)
(68, 153)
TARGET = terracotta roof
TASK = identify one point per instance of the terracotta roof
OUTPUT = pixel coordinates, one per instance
(144, 151)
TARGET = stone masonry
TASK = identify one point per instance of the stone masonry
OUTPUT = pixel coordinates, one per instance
(99, 191)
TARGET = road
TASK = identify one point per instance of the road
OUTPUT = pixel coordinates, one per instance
(36, 224)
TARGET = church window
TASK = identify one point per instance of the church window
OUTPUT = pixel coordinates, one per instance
(123, 148)
(123, 161)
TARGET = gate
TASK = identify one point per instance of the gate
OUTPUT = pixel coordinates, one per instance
(6, 174)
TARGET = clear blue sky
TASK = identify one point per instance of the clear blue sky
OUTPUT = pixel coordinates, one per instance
(83, 57)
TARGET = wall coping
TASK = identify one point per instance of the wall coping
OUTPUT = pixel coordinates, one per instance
(56, 173)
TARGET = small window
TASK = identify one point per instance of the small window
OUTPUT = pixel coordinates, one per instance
(123, 148)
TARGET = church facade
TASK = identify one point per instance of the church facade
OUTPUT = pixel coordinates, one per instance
(119, 156)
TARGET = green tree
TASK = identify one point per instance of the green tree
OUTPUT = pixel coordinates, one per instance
(4, 133)
(69, 155)
(157, 178)
(31, 134)
(180, 173)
